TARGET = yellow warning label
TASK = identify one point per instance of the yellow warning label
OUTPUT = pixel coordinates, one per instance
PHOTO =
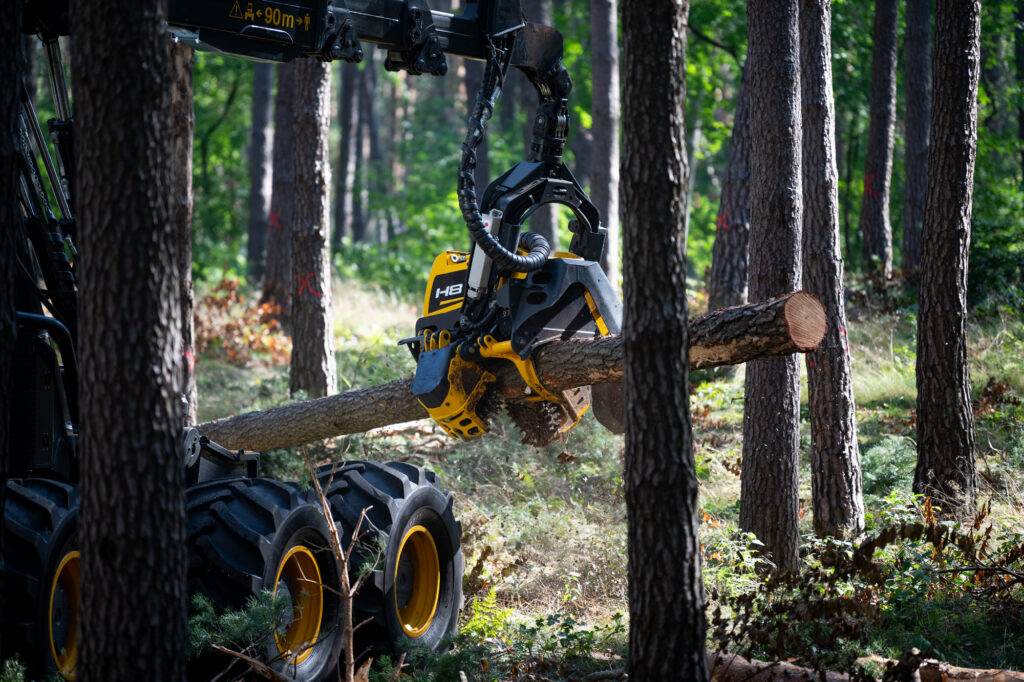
(236, 12)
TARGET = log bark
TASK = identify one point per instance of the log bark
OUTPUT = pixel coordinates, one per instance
(733, 668)
(790, 324)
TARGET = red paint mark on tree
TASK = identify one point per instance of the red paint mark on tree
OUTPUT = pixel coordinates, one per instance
(191, 360)
(867, 186)
(306, 284)
(720, 220)
(275, 221)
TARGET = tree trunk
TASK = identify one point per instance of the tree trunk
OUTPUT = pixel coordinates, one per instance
(359, 217)
(183, 125)
(945, 424)
(727, 284)
(604, 159)
(1018, 54)
(790, 324)
(874, 212)
(11, 219)
(771, 416)
(260, 146)
(836, 486)
(918, 83)
(132, 493)
(349, 119)
(312, 368)
(543, 221)
(473, 77)
(374, 183)
(277, 280)
(660, 476)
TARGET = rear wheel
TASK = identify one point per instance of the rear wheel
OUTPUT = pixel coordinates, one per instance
(41, 581)
(410, 541)
(249, 535)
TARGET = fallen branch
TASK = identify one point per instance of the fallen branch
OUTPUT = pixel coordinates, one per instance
(789, 324)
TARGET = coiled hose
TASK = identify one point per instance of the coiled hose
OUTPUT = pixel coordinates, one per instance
(537, 247)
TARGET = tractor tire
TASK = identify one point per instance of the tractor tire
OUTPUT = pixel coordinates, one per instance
(246, 535)
(411, 544)
(41, 581)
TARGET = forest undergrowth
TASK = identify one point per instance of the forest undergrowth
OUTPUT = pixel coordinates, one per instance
(544, 529)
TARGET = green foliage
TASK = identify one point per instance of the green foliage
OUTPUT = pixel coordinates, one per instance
(13, 671)
(243, 630)
(222, 88)
(888, 465)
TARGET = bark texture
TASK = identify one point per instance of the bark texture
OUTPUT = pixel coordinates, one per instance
(790, 324)
(183, 125)
(945, 423)
(312, 367)
(132, 527)
(660, 478)
(875, 228)
(727, 284)
(918, 83)
(10, 219)
(771, 416)
(260, 147)
(277, 278)
(348, 117)
(836, 487)
(604, 156)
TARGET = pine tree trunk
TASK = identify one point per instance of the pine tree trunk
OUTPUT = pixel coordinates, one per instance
(543, 221)
(1018, 55)
(660, 478)
(349, 120)
(836, 486)
(727, 285)
(277, 279)
(604, 160)
(10, 217)
(260, 147)
(312, 368)
(132, 519)
(918, 82)
(945, 423)
(183, 126)
(359, 212)
(374, 183)
(874, 212)
(771, 416)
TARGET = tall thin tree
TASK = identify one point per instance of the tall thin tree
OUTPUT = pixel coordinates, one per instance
(917, 82)
(727, 285)
(132, 509)
(183, 126)
(660, 477)
(836, 486)
(875, 227)
(604, 157)
(945, 424)
(260, 169)
(10, 77)
(277, 279)
(349, 120)
(771, 414)
(312, 367)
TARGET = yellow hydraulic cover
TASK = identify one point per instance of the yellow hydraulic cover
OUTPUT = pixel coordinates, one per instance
(446, 286)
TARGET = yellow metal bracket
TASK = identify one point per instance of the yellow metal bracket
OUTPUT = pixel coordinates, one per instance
(491, 348)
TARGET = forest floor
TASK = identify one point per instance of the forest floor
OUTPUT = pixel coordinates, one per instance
(544, 529)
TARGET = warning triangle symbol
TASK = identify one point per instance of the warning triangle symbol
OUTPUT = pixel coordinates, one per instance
(236, 12)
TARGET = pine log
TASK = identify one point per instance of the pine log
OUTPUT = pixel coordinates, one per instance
(724, 667)
(788, 324)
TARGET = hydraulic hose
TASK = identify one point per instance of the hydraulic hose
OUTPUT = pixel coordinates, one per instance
(537, 247)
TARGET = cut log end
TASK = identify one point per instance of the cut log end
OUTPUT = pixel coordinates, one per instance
(805, 319)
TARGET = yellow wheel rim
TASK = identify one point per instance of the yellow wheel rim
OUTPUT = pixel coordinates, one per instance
(418, 580)
(300, 576)
(63, 620)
